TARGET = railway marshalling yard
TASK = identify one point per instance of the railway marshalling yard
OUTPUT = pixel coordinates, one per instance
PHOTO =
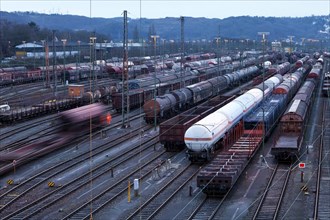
(96, 176)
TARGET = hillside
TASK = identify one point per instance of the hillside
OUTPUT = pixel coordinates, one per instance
(314, 27)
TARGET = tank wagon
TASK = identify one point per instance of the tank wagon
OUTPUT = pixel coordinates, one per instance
(167, 105)
(315, 72)
(220, 129)
(292, 124)
(191, 77)
(223, 171)
(171, 131)
(279, 69)
(301, 62)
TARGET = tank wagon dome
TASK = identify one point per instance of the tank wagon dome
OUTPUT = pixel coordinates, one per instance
(206, 132)
(267, 64)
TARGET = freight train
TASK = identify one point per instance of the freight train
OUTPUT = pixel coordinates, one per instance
(279, 69)
(165, 106)
(74, 123)
(172, 81)
(272, 108)
(292, 124)
(21, 75)
(219, 129)
(171, 132)
(18, 75)
(223, 171)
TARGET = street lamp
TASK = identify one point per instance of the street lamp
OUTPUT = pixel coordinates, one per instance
(154, 37)
(64, 43)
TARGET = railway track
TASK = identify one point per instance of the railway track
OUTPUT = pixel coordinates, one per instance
(152, 206)
(270, 201)
(52, 139)
(117, 190)
(24, 191)
(8, 132)
(322, 195)
(207, 208)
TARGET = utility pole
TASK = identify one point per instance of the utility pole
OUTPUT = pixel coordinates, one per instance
(263, 85)
(218, 52)
(182, 74)
(303, 43)
(290, 52)
(34, 55)
(64, 78)
(154, 38)
(54, 65)
(290, 55)
(125, 90)
(92, 55)
(47, 65)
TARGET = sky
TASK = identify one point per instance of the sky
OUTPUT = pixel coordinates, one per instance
(171, 8)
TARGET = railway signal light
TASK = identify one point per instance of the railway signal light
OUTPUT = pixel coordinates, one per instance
(108, 118)
(301, 165)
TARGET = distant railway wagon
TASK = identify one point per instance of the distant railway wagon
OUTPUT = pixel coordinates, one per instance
(17, 75)
(136, 98)
(192, 77)
(293, 124)
(280, 69)
(314, 73)
(193, 94)
(70, 73)
(301, 62)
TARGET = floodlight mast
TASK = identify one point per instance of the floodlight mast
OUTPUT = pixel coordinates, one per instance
(263, 34)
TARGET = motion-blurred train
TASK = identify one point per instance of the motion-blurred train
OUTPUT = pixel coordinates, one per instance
(73, 124)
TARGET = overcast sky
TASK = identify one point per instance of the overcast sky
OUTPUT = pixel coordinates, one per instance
(171, 8)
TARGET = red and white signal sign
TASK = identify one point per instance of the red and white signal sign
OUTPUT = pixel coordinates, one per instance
(302, 165)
